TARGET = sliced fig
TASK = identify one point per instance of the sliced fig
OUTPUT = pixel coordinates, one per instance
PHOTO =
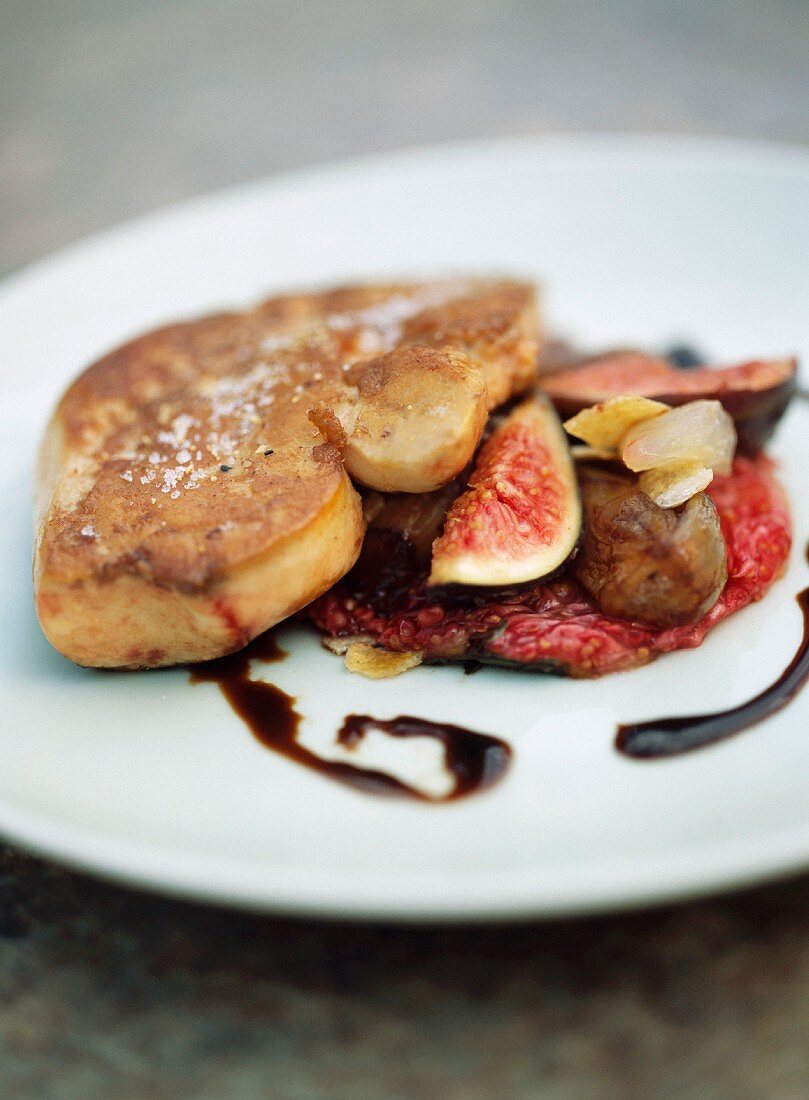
(555, 626)
(755, 394)
(420, 416)
(647, 563)
(520, 518)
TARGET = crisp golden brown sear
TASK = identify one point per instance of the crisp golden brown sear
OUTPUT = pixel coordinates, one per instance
(188, 501)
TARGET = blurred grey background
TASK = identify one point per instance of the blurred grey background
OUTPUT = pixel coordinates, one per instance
(109, 108)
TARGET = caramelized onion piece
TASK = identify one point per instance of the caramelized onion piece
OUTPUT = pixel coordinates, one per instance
(670, 486)
(604, 425)
(700, 432)
(378, 664)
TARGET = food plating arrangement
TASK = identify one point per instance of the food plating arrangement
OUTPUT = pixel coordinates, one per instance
(420, 474)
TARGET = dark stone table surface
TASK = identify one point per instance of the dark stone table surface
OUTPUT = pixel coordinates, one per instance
(110, 993)
(111, 107)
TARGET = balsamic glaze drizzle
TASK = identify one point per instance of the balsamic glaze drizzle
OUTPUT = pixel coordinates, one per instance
(659, 737)
(475, 760)
(684, 356)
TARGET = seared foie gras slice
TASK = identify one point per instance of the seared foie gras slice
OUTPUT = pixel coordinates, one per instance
(187, 501)
(496, 324)
(181, 535)
(422, 408)
(420, 416)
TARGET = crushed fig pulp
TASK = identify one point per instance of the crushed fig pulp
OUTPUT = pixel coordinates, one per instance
(555, 626)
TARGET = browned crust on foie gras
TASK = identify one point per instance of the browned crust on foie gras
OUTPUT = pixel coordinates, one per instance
(127, 621)
(498, 327)
(186, 500)
(421, 414)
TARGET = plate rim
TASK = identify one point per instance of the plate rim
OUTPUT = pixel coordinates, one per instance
(760, 153)
(644, 883)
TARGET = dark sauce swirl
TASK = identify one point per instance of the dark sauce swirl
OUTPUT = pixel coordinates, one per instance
(475, 760)
(660, 737)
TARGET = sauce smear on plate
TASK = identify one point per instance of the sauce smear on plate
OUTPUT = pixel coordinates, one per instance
(475, 760)
(659, 737)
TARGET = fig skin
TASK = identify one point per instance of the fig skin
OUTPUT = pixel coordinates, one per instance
(520, 517)
(556, 626)
(662, 566)
(756, 393)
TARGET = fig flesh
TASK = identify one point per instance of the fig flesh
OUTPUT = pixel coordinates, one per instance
(520, 517)
(556, 626)
(756, 394)
(643, 562)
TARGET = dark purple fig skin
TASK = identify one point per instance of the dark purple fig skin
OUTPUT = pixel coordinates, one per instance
(755, 413)
(756, 410)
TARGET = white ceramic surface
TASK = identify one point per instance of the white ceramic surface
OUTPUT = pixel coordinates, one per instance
(144, 778)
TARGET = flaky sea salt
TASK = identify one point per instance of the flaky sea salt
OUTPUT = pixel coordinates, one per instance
(181, 425)
(170, 480)
(386, 319)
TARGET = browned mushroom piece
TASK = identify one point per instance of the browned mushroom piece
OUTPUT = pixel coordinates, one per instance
(664, 566)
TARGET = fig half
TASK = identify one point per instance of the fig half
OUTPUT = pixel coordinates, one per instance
(520, 518)
(755, 394)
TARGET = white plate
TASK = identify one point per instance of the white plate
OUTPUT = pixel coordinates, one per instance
(143, 778)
